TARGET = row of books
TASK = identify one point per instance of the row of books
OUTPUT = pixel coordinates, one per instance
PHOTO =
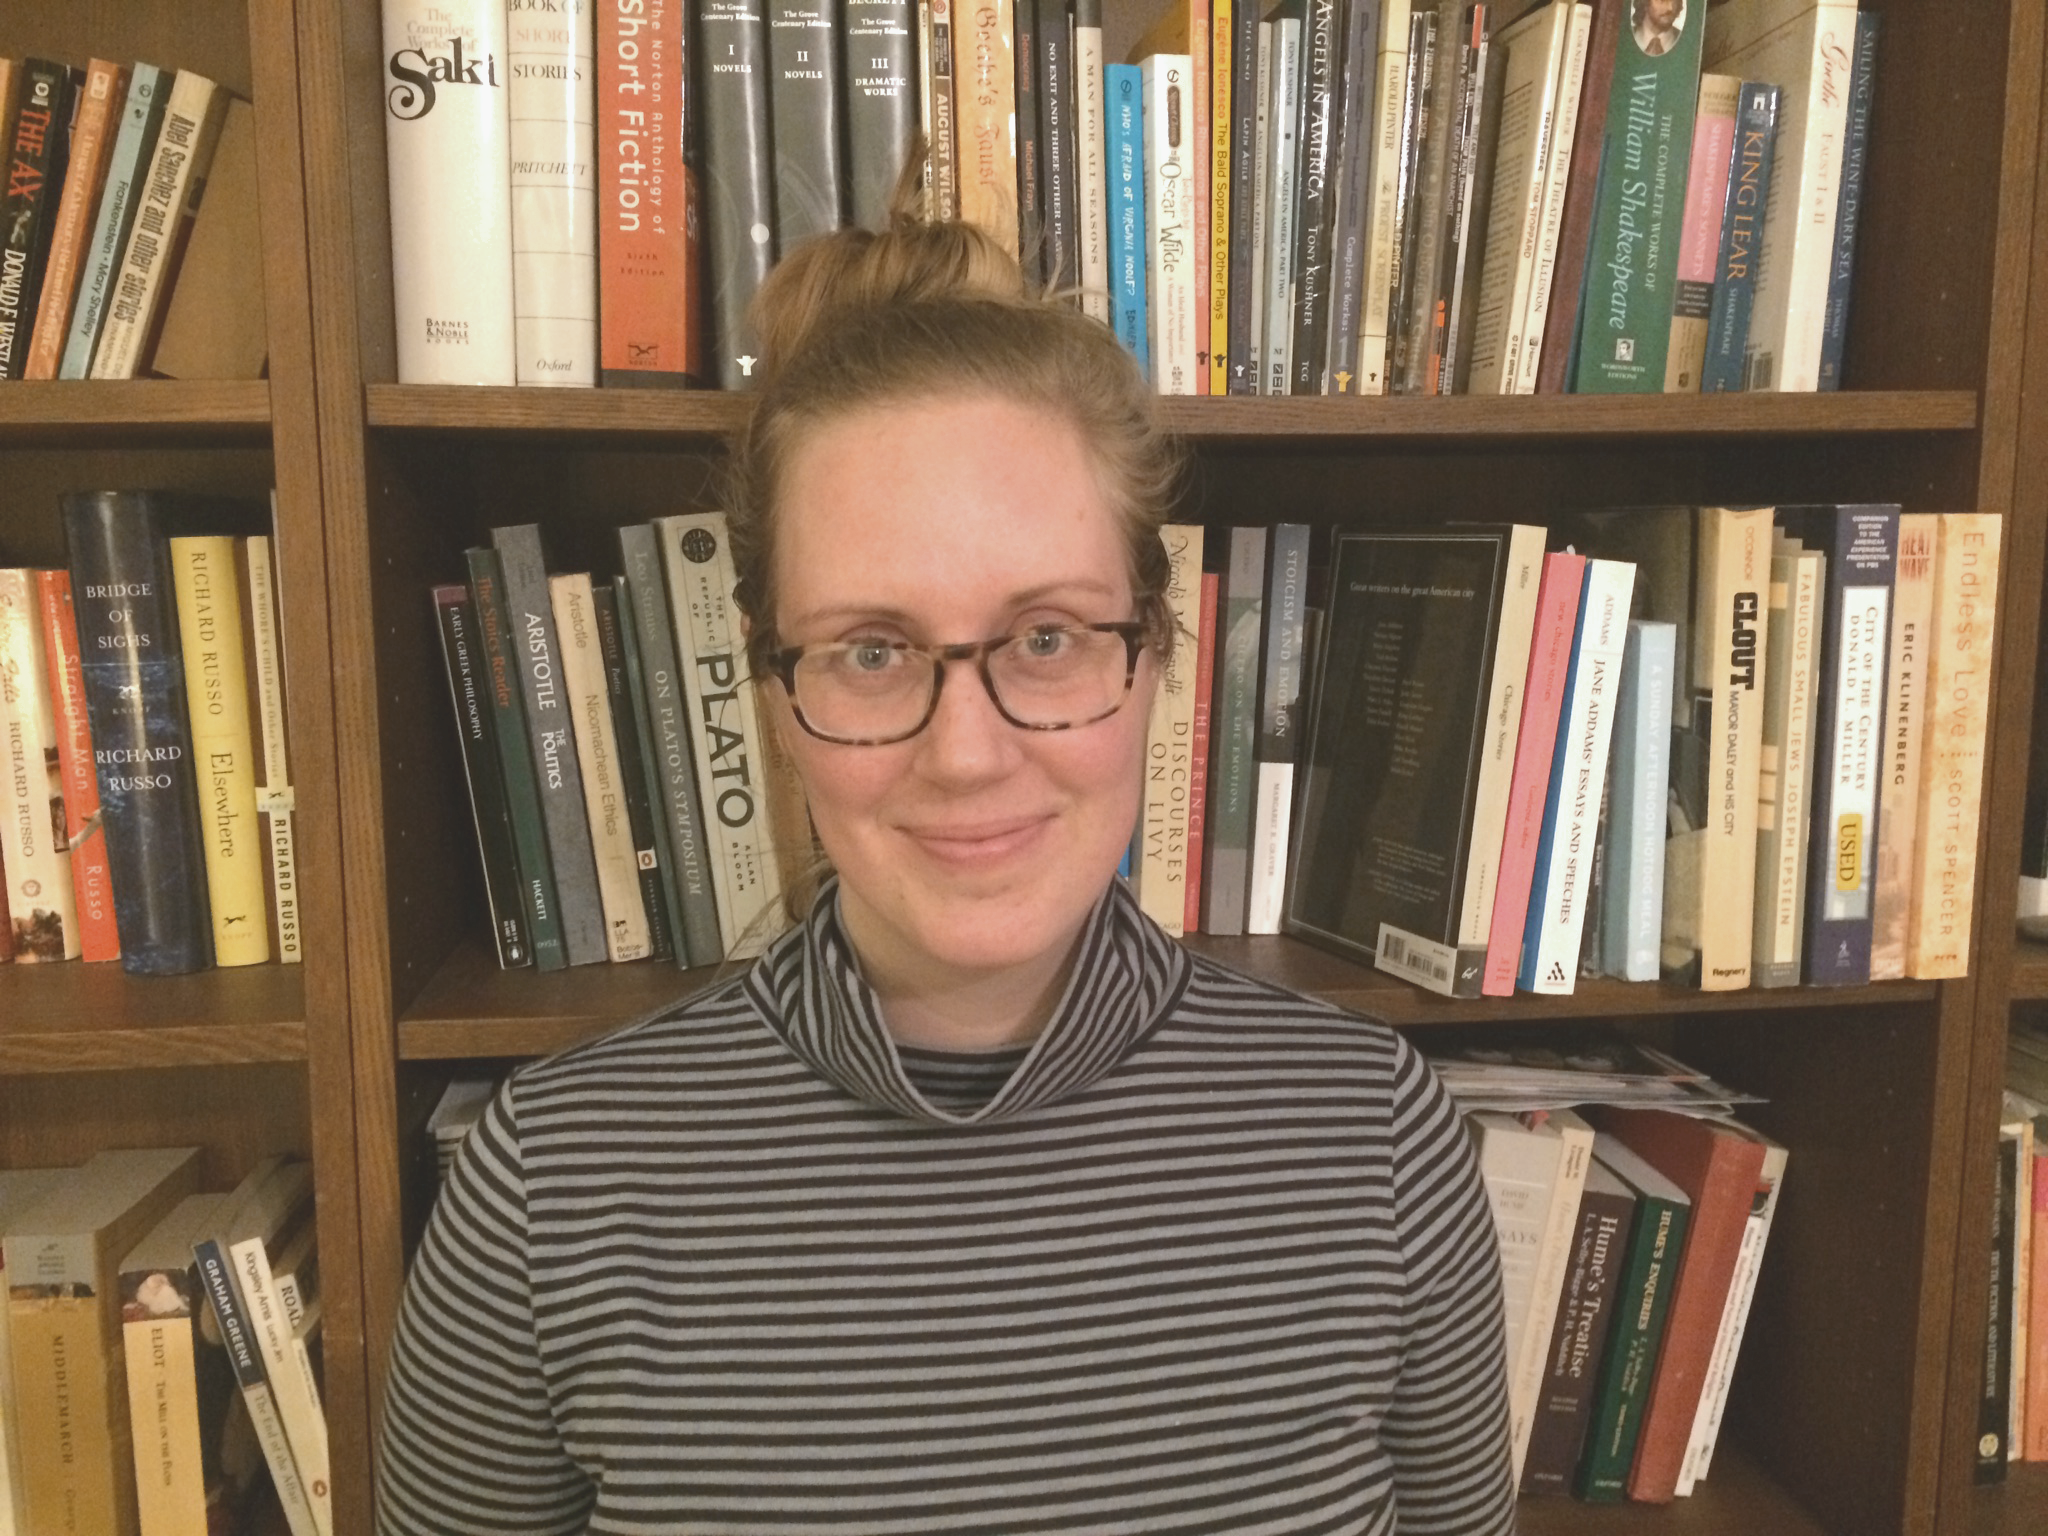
(159, 1348)
(1695, 744)
(144, 738)
(110, 265)
(2013, 1406)
(627, 802)
(1631, 1239)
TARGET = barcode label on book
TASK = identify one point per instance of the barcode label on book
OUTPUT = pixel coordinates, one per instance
(1420, 960)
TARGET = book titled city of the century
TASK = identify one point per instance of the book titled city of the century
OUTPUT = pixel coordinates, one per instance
(1395, 734)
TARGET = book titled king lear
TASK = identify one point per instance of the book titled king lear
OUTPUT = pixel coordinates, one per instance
(1396, 732)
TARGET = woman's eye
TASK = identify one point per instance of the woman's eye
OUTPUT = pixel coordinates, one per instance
(870, 656)
(1044, 644)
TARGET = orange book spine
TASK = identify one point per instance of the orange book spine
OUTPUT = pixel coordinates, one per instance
(105, 89)
(91, 877)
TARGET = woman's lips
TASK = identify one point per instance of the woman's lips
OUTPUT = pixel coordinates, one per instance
(982, 842)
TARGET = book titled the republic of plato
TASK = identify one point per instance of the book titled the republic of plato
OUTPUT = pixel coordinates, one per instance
(1396, 733)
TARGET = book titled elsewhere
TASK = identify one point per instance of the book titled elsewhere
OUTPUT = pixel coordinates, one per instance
(1395, 737)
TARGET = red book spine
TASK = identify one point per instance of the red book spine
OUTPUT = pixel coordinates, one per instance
(91, 879)
(1550, 664)
(2034, 1435)
(649, 272)
(1198, 777)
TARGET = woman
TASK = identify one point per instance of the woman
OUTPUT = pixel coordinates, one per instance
(977, 1204)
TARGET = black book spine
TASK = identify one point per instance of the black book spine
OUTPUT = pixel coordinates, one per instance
(1244, 150)
(650, 771)
(134, 680)
(612, 642)
(473, 724)
(1578, 1342)
(1312, 198)
(804, 108)
(1030, 147)
(881, 102)
(1461, 129)
(515, 761)
(36, 143)
(1056, 143)
(1408, 243)
(739, 201)
(1475, 218)
(1994, 1401)
(1352, 174)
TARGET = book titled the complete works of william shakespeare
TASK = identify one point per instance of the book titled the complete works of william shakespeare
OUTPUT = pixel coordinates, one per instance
(1396, 732)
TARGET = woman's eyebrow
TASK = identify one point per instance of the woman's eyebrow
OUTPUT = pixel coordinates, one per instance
(884, 613)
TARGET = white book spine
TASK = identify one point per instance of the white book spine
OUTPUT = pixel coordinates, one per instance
(38, 901)
(1584, 731)
(1262, 128)
(1519, 1169)
(305, 1424)
(1789, 764)
(1556, 181)
(1169, 743)
(1377, 300)
(553, 136)
(447, 137)
(1505, 688)
(275, 799)
(1905, 708)
(1171, 157)
(1284, 133)
(597, 753)
(1090, 126)
(1272, 815)
(1546, 1287)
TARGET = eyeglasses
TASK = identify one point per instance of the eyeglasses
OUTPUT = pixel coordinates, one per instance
(1051, 677)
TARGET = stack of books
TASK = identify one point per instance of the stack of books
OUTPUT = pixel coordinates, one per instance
(111, 264)
(143, 727)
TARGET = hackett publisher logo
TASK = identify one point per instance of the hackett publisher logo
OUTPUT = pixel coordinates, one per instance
(699, 546)
(419, 73)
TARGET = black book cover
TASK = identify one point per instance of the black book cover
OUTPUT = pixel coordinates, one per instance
(1313, 195)
(1427, 47)
(739, 201)
(1994, 1401)
(1475, 219)
(612, 642)
(36, 143)
(1244, 149)
(881, 102)
(1396, 721)
(1467, 61)
(1351, 174)
(134, 678)
(1057, 145)
(468, 687)
(804, 113)
(1030, 150)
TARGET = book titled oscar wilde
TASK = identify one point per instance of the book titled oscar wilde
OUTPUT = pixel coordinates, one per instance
(447, 139)
(554, 190)
(38, 901)
(649, 258)
(1396, 732)
(1170, 156)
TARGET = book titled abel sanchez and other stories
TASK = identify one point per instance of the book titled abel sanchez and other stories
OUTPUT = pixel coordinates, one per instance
(128, 224)
(145, 761)
(1307, 197)
(159, 1350)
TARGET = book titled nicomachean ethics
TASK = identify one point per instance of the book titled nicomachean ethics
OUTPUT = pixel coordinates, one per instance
(552, 134)
(805, 103)
(447, 139)
(739, 197)
(134, 675)
(1396, 733)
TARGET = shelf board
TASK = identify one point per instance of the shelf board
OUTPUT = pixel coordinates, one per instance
(101, 411)
(698, 415)
(1736, 1499)
(2016, 1507)
(2029, 971)
(472, 1008)
(74, 1017)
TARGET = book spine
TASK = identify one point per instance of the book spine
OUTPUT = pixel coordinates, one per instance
(75, 1477)
(1535, 49)
(498, 653)
(35, 139)
(805, 105)
(1644, 1299)
(653, 772)
(1834, 337)
(1284, 137)
(1994, 1401)
(1389, 92)
(134, 676)
(1742, 224)
(2035, 1444)
(1558, 348)
(1261, 197)
(84, 834)
(1029, 130)
(1056, 139)
(1848, 760)
(939, 111)
(1480, 159)
(1632, 917)
(142, 113)
(1198, 766)
(1279, 725)
(1314, 193)
(739, 198)
(40, 906)
(649, 243)
(1123, 84)
(1525, 366)
(1169, 741)
(1419, 79)
(1233, 776)
(881, 102)
(1438, 121)
(551, 135)
(1905, 710)
(457, 623)
(92, 138)
(298, 1407)
(1578, 772)
(217, 1278)
(633, 780)
(163, 1424)
(210, 629)
(1550, 657)
(1246, 90)
(598, 763)
(1351, 207)
(550, 734)
(1952, 777)
(1092, 176)
(1546, 1290)
(1699, 241)
(1433, 318)
(276, 802)
(1170, 285)
(1215, 171)
(1785, 770)
(1198, 157)
(985, 84)
(1506, 679)
(1578, 1342)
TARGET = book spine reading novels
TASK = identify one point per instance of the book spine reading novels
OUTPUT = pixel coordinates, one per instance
(805, 105)
(552, 142)
(739, 198)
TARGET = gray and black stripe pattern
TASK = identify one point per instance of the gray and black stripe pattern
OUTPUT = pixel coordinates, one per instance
(1207, 1257)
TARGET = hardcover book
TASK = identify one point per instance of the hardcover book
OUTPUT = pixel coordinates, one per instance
(739, 198)
(985, 86)
(142, 112)
(1905, 712)
(552, 134)
(881, 101)
(1742, 226)
(1785, 771)
(805, 104)
(41, 911)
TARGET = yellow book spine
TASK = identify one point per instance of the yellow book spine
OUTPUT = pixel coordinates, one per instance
(1169, 742)
(217, 699)
(163, 1417)
(73, 1478)
(1219, 198)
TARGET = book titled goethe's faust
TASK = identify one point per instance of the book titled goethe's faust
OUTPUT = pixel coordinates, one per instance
(1396, 730)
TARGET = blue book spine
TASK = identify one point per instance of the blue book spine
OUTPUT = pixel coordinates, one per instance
(1123, 89)
(1742, 230)
(1546, 841)
(1849, 202)
(141, 115)
(1632, 915)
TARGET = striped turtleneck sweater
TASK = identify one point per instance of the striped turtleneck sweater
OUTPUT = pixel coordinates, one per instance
(1205, 1257)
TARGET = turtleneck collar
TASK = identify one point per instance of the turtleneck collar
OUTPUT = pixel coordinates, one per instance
(1127, 975)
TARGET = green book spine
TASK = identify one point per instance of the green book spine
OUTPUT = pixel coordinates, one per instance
(1632, 271)
(1631, 1363)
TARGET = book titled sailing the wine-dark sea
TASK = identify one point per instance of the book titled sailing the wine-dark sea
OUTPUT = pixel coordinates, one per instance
(1396, 729)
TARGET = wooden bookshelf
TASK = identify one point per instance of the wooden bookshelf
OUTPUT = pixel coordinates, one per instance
(85, 1018)
(2029, 972)
(2013, 1507)
(118, 411)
